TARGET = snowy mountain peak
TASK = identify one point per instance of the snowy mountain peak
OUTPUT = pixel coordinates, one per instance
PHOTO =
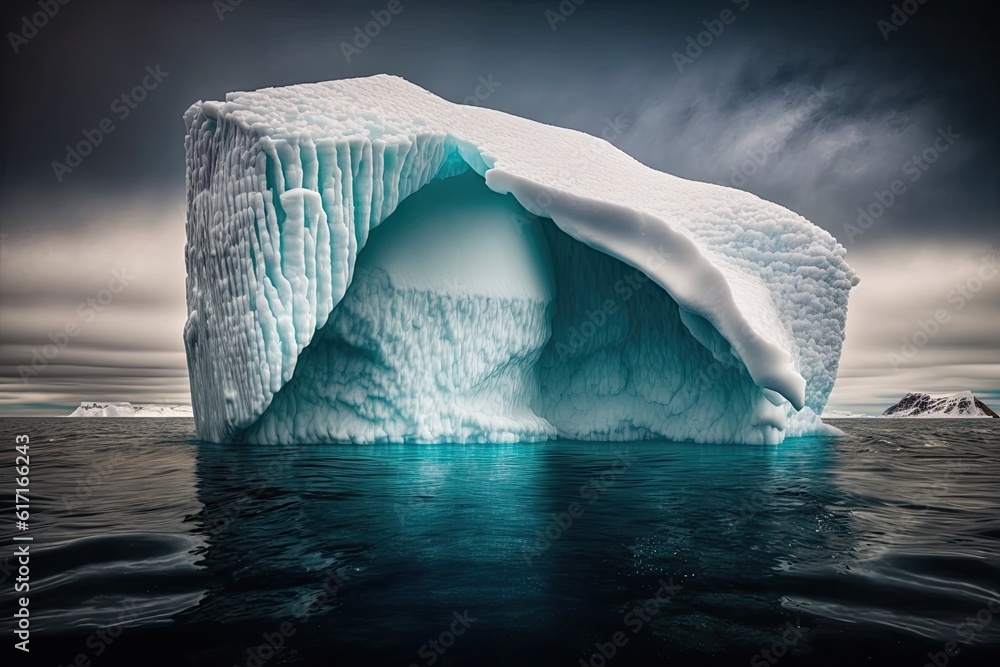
(963, 404)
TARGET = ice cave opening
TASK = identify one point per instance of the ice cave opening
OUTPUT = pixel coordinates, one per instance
(468, 319)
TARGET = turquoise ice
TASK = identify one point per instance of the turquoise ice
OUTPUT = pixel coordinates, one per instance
(368, 262)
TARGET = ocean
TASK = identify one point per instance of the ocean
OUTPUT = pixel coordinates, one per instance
(150, 548)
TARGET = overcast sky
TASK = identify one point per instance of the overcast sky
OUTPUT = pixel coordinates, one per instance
(834, 106)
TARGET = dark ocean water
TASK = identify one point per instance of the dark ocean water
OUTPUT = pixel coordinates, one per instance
(150, 548)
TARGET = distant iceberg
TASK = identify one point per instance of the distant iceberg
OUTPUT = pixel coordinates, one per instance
(963, 404)
(843, 414)
(368, 262)
(126, 409)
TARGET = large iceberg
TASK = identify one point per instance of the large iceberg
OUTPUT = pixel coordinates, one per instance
(368, 262)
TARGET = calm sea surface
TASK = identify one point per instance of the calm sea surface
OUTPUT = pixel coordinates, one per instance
(150, 548)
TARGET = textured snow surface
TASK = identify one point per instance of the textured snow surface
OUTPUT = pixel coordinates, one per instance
(125, 409)
(368, 262)
(960, 405)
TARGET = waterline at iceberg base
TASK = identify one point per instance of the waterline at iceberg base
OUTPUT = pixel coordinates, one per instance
(370, 263)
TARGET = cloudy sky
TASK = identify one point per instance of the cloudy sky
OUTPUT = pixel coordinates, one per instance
(835, 106)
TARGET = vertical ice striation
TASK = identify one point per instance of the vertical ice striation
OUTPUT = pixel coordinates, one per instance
(368, 262)
(437, 336)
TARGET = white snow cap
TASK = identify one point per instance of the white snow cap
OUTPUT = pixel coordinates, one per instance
(125, 409)
(285, 186)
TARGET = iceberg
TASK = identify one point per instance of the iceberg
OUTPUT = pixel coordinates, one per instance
(368, 262)
(843, 414)
(126, 409)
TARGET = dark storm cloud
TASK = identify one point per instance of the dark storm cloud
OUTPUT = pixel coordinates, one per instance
(605, 59)
(805, 104)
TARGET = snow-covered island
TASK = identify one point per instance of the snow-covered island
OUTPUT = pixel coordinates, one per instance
(368, 262)
(844, 414)
(125, 409)
(961, 405)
